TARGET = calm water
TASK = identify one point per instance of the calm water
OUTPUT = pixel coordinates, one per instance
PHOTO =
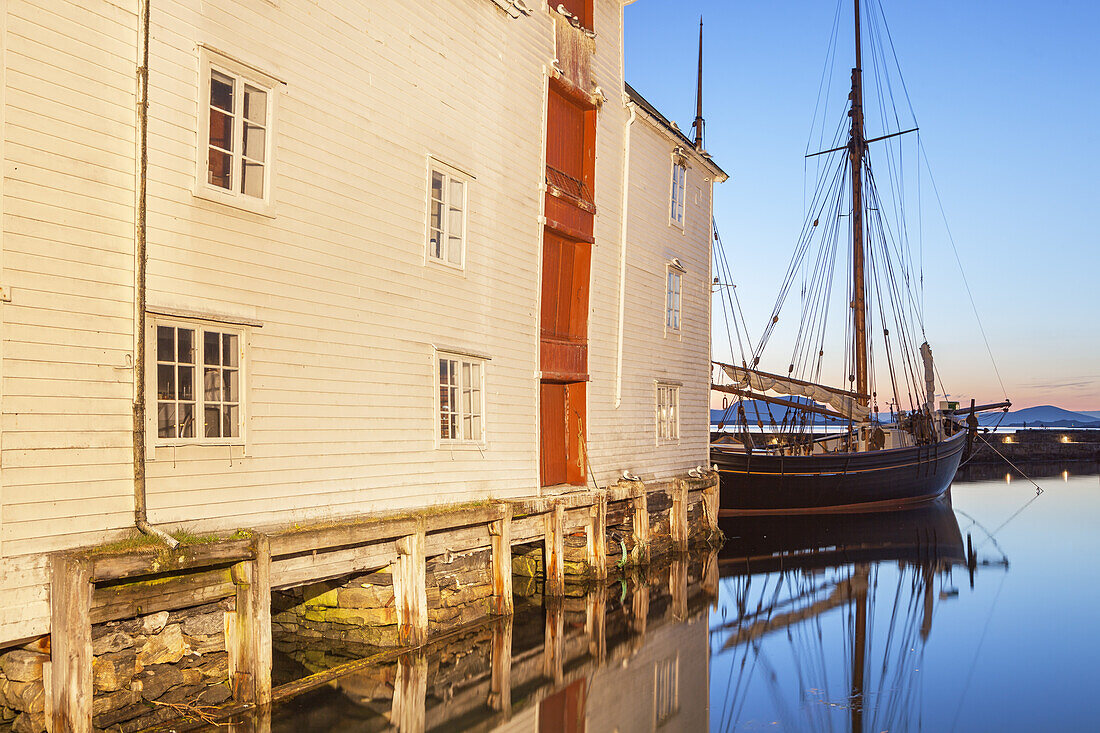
(769, 633)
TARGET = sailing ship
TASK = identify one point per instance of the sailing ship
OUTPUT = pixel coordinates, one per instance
(878, 461)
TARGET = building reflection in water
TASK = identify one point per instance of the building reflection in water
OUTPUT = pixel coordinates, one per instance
(853, 596)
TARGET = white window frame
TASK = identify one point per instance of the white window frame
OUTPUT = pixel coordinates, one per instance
(200, 327)
(677, 191)
(674, 298)
(462, 388)
(242, 74)
(666, 690)
(667, 412)
(450, 174)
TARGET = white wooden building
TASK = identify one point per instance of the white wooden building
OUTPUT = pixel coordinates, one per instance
(343, 213)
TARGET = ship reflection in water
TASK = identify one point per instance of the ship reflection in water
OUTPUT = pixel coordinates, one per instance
(899, 621)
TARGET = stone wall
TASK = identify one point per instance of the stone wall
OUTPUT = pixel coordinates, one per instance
(145, 671)
(359, 614)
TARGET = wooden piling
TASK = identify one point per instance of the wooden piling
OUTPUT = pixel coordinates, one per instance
(678, 515)
(554, 550)
(639, 608)
(410, 590)
(678, 586)
(500, 535)
(248, 628)
(710, 506)
(641, 523)
(596, 537)
(70, 644)
(595, 622)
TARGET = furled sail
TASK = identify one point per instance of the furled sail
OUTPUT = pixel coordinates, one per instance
(847, 404)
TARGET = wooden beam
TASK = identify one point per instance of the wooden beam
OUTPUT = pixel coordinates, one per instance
(711, 504)
(248, 628)
(554, 551)
(596, 538)
(639, 607)
(70, 644)
(678, 587)
(678, 515)
(641, 524)
(595, 622)
(500, 536)
(553, 651)
(116, 566)
(410, 590)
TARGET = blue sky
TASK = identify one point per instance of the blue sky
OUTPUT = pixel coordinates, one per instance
(1008, 101)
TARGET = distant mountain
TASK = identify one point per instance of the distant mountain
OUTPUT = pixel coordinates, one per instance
(1042, 416)
(757, 410)
(1091, 413)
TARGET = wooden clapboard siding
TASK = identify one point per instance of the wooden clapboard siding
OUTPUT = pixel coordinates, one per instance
(341, 377)
(625, 438)
(68, 261)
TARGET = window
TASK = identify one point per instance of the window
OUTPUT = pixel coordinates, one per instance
(679, 179)
(446, 216)
(666, 690)
(461, 400)
(672, 298)
(668, 412)
(198, 383)
(235, 166)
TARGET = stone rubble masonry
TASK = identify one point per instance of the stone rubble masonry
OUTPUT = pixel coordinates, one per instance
(145, 671)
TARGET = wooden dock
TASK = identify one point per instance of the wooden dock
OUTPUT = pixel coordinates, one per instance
(93, 587)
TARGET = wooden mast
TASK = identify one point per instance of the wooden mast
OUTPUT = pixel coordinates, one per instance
(857, 144)
(699, 124)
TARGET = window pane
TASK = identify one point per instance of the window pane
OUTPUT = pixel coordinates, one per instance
(210, 351)
(166, 420)
(221, 91)
(437, 186)
(255, 105)
(165, 344)
(212, 421)
(219, 168)
(230, 428)
(221, 130)
(252, 179)
(166, 382)
(229, 349)
(454, 250)
(255, 142)
(187, 419)
(455, 197)
(229, 384)
(186, 340)
(213, 385)
(186, 383)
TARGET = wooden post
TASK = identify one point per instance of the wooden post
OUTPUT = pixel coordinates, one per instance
(678, 587)
(553, 651)
(500, 695)
(711, 576)
(641, 524)
(554, 551)
(410, 590)
(70, 644)
(678, 515)
(596, 537)
(410, 693)
(248, 637)
(595, 622)
(710, 505)
(500, 535)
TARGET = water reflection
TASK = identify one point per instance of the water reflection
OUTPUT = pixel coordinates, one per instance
(840, 605)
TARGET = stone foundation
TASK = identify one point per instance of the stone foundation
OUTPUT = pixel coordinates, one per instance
(145, 671)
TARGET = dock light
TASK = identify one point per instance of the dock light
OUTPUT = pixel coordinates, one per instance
(1007, 440)
(1008, 478)
(1065, 439)
(1065, 476)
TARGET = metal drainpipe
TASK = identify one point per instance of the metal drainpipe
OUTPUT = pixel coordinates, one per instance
(141, 519)
(622, 257)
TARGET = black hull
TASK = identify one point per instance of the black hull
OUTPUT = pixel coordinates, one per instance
(885, 480)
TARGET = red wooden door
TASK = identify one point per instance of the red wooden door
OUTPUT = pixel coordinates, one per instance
(553, 456)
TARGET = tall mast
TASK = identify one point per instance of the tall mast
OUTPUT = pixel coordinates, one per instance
(699, 124)
(856, 147)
